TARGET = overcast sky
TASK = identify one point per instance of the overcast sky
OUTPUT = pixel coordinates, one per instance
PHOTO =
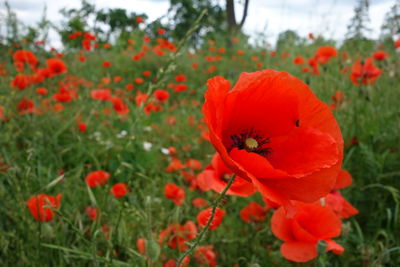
(326, 17)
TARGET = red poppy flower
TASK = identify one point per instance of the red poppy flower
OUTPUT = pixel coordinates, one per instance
(343, 180)
(160, 31)
(364, 72)
(120, 190)
(173, 263)
(324, 53)
(91, 212)
(206, 256)
(106, 64)
(82, 127)
(379, 55)
(216, 176)
(41, 206)
(26, 106)
(180, 78)
(161, 95)
(41, 91)
(97, 178)
(101, 94)
(141, 245)
(174, 165)
(176, 236)
(204, 215)
(139, 19)
(253, 212)
(298, 60)
(199, 202)
(340, 206)
(21, 81)
(176, 193)
(25, 56)
(56, 66)
(119, 105)
(301, 234)
(193, 164)
(273, 131)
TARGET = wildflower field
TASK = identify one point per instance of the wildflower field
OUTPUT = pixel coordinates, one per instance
(158, 152)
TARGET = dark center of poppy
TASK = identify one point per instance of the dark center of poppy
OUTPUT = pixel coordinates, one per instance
(225, 177)
(251, 142)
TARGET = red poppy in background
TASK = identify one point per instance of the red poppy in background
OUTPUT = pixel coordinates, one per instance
(206, 256)
(82, 127)
(21, 81)
(56, 66)
(141, 245)
(199, 202)
(25, 56)
(364, 72)
(119, 105)
(101, 94)
(97, 178)
(301, 234)
(91, 212)
(161, 95)
(216, 176)
(176, 236)
(120, 190)
(204, 215)
(174, 192)
(273, 131)
(26, 106)
(253, 213)
(41, 206)
(380, 55)
(298, 60)
(324, 53)
(180, 78)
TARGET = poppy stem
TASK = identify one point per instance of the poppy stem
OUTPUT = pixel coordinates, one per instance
(204, 230)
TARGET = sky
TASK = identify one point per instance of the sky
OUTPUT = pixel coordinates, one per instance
(328, 18)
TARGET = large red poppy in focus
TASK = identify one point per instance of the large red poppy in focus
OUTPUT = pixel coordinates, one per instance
(273, 131)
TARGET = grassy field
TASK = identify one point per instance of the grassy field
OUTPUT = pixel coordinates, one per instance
(52, 138)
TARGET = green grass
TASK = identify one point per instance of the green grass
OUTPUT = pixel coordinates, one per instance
(36, 147)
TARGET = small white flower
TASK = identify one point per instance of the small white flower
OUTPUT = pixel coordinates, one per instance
(165, 151)
(147, 146)
(147, 128)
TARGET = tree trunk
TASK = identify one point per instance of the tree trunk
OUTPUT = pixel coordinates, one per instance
(233, 27)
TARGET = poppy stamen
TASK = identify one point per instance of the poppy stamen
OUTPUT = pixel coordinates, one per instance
(251, 142)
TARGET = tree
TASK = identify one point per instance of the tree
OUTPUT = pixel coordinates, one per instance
(391, 24)
(358, 24)
(233, 26)
(183, 13)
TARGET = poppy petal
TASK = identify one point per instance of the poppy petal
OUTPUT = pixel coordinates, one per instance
(299, 251)
(303, 151)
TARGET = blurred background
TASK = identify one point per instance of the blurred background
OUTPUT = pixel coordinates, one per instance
(259, 20)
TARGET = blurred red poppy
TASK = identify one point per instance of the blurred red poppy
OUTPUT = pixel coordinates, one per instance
(364, 72)
(206, 256)
(120, 190)
(204, 215)
(176, 193)
(176, 236)
(253, 213)
(42, 206)
(97, 178)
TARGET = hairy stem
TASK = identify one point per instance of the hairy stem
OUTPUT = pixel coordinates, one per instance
(205, 229)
